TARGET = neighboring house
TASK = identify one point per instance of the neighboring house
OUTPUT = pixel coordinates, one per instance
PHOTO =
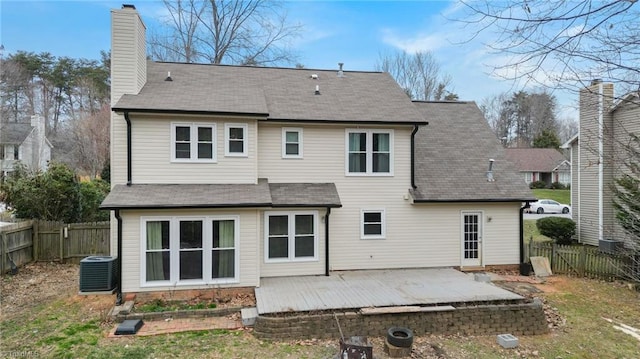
(541, 164)
(223, 175)
(25, 143)
(605, 125)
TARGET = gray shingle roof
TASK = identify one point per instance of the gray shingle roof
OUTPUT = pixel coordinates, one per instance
(263, 194)
(14, 133)
(304, 194)
(535, 159)
(452, 157)
(275, 93)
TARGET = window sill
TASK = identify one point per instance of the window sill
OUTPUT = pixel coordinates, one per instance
(286, 260)
(193, 161)
(376, 238)
(190, 283)
(364, 174)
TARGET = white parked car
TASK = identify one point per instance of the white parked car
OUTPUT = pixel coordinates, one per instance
(549, 206)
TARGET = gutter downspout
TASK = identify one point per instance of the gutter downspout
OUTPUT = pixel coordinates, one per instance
(326, 242)
(126, 118)
(413, 157)
(119, 288)
(523, 268)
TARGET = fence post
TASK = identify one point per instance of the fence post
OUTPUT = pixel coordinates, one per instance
(553, 256)
(3, 237)
(61, 244)
(36, 240)
(582, 263)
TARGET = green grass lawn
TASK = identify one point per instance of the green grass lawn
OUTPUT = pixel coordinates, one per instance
(72, 326)
(560, 195)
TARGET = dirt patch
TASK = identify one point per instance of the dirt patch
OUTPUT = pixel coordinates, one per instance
(553, 285)
(36, 283)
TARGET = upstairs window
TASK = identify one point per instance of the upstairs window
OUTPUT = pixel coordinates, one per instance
(236, 139)
(193, 142)
(369, 152)
(291, 142)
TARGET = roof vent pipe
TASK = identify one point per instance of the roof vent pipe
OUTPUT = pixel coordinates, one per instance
(168, 76)
(340, 72)
(317, 89)
(490, 171)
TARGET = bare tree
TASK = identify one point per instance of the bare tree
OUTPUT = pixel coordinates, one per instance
(90, 135)
(519, 118)
(418, 74)
(254, 32)
(564, 43)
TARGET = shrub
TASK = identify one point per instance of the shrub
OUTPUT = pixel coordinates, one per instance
(557, 185)
(538, 184)
(561, 230)
(92, 193)
(54, 194)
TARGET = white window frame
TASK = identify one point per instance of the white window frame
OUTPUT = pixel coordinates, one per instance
(383, 224)
(369, 152)
(227, 139)
(193, 140)
(174, 250)
(284, 142)
(291, 236)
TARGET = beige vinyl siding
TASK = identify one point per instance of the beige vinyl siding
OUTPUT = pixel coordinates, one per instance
(626, 121)
(575, 175)
(294, 268)
(128, 75)
(131, 247)
(128, 54)
(417, 235)
(151, 153)
(589, 210)
(501, 233)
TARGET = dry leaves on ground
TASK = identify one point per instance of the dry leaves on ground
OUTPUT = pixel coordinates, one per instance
(36, 282)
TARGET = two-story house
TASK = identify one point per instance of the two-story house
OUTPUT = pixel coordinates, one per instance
(598, 155)
(25, 143)
(223, 175)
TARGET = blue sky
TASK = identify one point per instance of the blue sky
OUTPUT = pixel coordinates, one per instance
(352, 32)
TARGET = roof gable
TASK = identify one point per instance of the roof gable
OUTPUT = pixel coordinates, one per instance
(14, 133)
(535, 159)
(272, 93)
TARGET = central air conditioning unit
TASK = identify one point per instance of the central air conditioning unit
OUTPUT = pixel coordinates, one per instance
(98, 274)
(609, 246)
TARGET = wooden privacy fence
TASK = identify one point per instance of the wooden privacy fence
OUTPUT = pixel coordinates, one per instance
(52, 241)
(16, 245)
(580, 260)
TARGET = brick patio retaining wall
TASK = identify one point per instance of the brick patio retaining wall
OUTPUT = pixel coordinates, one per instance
(518, 319)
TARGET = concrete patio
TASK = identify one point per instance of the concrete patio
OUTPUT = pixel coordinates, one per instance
(375, 288)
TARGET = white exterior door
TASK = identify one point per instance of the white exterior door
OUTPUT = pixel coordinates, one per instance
(471, 239)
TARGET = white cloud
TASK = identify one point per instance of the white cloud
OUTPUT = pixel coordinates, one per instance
(418, 43)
